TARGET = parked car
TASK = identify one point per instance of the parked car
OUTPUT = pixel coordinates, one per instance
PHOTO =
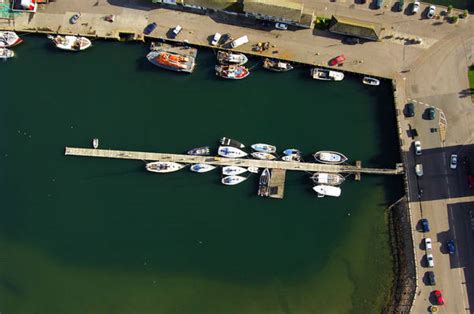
(225, 38)
(454, 161)
(419, 170)
(425, 225)
(428, 244)
(215, 39)
(451, 247)
(431, 113)
(439, 297)
(431, 278)
(415, 7)
(149, 28)
(281, 26)
(417, 145)
(337, 60)
(410, 110)
(431, 12)
(74, 18)
(177, 30)
(378, 4)
(430, 259)
(401, 5)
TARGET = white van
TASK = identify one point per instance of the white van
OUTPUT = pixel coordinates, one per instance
(419, 169)
(215, 39)
(239, 41)
(177, 30)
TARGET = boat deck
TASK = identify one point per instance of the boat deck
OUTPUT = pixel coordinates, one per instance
(184, 50)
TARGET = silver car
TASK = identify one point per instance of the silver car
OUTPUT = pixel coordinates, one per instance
(416, 7)
(431, 12)
(454, 161)
(429, 258)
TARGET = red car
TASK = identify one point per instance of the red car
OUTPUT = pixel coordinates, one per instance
(439, 297)
(471, 181)
(337, 60)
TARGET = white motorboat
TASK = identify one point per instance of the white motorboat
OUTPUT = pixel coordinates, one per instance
(327, 190)
(263, 182)
(327, 178)
(6, 53)
(231, 152)
(232, 180)
(370, 81)
(95, 143)
(163, 166)
(326, 75)
(71, 43)
(233, 170)
(265, 156)
(293, 157)
(291, 151)
(226, 57)
(9, 39)
(252, 169)
(264, 148)
(330, 157)
(201, 168)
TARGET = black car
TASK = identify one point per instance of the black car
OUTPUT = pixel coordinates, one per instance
(410, 110)
(431, 278)
(425, 225)
(225, 38)
(150, 28)
(431, 113)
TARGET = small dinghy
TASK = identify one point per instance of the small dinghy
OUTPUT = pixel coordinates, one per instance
(327, 178)
(252, 169)
(326, 75)
(71, 43)
(201, 168)
(264, 156)
(327, 190)
(230, 142)
(9, 39)
(232, 180)
(6, 53)
(95, 143)
(230, 152)
(200, 151)
(293, 157)
(264, 148)
(226, 57)
(232, 72)
(276, 65)
(163, 166)
(292, 151)
(329, 157)
(233, 170)
(370, 81)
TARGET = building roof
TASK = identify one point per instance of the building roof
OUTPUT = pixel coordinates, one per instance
(285, 9)
(214, 4)
(354, 27)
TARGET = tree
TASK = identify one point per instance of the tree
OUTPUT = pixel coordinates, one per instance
(450, 8)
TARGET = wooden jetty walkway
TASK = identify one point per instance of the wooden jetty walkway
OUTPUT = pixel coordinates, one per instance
(222, 161)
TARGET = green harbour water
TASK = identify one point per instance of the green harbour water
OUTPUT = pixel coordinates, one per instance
(86, 235)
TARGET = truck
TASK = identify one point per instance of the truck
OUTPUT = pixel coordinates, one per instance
(239, 41)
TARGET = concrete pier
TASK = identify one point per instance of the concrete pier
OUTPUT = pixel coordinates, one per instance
(222, 161)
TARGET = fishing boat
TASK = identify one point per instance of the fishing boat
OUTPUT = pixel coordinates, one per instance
(95, 143)
(201, 168)
(370, 81)
(225, 57)
(9, 39)
(232, 180)
(163, 166)
(292, 157)
(233, 170)
(327, 190)
(252, 169)
(329, 157)
(263, 182)
(200, 151)
(231, 152)
(6, 53)
(327, 178)
(276, 65)
(71, 43)
(172, 61)
(230, 142)
(264, 148)
(232, 72)
(326, 75)
(292, 151)
(261, 155)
